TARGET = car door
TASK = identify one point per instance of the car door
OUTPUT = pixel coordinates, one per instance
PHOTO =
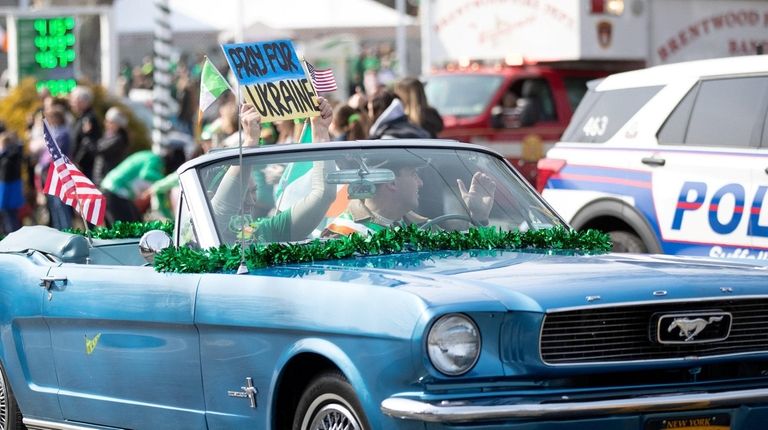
(125, 347)
(26, 340)
(709, 176)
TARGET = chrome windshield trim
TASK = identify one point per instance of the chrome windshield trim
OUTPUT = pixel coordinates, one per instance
(460, 411)
(198, 208)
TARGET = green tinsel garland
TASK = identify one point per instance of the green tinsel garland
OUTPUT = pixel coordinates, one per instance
(125, 230)
(226, 258)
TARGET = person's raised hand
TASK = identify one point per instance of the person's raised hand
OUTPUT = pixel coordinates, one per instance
(322, 122)
(250, 121)
(479, 197)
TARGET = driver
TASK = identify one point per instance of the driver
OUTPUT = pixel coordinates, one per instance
(296, 222)
(394, 203)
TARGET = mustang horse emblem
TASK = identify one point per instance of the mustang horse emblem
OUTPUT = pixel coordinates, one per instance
(690, 328)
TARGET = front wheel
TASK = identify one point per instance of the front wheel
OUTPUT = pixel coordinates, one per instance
(10, 416)
(329, 402)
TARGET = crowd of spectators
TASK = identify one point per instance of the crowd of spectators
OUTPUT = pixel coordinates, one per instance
(142, 185)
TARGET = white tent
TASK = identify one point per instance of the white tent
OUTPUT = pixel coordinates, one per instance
(280, 16)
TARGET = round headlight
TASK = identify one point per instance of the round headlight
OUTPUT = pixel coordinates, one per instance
(453, 344)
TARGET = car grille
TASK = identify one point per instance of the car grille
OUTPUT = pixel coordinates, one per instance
(624, 333)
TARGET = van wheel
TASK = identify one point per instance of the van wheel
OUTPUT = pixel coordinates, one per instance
(624, 241)
(329, 402)
(10, 416)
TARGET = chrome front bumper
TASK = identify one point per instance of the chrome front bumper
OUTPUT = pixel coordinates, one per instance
(464, 411)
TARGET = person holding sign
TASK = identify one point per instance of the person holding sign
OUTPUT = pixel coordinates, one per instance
(295, 223)
(273, 79)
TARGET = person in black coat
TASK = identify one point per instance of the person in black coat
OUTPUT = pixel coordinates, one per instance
(113, 147)
(390, 120)
(411, 92)
(86, 130)
(11, 191)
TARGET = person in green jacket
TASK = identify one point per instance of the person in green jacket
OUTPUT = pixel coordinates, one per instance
(296, 222)
(128, 180)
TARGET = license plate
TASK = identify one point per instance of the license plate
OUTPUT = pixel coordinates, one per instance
(690, 422)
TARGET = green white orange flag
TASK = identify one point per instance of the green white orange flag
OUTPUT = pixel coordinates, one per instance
(295, 183)
(212, 85)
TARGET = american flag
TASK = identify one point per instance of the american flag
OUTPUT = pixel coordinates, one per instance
(322, 79)
(69, 184)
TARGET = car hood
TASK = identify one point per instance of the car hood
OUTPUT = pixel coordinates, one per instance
(538, 281)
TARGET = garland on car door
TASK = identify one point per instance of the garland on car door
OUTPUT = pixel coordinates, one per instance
(125, 230)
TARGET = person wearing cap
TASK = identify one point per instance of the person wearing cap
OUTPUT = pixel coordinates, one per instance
(112, 148)
(299, 220)
(394, 203)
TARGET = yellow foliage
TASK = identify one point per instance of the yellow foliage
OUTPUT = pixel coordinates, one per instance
(18, 106)
(21, 102)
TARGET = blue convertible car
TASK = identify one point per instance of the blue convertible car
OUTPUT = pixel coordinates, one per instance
(265, 311)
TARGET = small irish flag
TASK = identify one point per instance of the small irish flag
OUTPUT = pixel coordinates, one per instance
(212, 85)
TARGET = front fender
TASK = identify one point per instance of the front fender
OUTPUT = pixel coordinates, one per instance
(335, 355)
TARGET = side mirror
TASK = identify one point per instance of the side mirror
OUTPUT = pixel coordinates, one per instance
(497, 114)
(153, 242)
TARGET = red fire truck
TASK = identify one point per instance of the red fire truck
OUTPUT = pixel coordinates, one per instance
(509, 73)
(519, 111)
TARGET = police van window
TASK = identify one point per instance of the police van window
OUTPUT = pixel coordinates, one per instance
(601, 114)
(765, 132)
(576, 88)
(674, 128)
(728, 112)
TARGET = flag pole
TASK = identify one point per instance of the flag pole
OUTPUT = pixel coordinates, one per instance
(243, 268)
(80, 210)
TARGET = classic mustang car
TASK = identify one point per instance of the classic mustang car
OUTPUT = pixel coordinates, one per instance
(372, 285)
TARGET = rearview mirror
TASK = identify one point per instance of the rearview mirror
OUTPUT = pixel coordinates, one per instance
(350, 176)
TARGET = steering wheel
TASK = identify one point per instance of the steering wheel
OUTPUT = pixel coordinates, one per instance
(446, 217)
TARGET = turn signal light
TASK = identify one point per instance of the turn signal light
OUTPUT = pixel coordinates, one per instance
(546, 167)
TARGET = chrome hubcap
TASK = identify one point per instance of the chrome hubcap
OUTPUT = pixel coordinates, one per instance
(334, 417)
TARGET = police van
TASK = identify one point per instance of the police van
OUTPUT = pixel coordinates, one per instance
(669, 159)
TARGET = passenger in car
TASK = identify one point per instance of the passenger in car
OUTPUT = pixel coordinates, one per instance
(394, 203)
(293, 224)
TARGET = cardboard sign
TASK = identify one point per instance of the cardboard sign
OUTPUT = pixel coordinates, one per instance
(273, 79)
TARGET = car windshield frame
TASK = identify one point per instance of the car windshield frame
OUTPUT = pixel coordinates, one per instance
(516, 205)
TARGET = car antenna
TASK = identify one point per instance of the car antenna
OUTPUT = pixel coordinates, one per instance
(243, 268)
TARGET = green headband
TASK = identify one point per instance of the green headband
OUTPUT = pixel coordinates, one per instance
(353, 118)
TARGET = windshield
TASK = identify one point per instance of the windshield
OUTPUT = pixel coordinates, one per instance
(461, 95)
(314, 194)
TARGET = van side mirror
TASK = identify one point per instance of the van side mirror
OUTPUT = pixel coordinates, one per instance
(528, 111)
(497, 117)
(505, 117)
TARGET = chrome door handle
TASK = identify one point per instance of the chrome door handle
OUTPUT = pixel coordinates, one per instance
(48, 281)
(653, 161)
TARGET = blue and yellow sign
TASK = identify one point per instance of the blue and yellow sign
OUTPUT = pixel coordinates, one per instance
(273, 79)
